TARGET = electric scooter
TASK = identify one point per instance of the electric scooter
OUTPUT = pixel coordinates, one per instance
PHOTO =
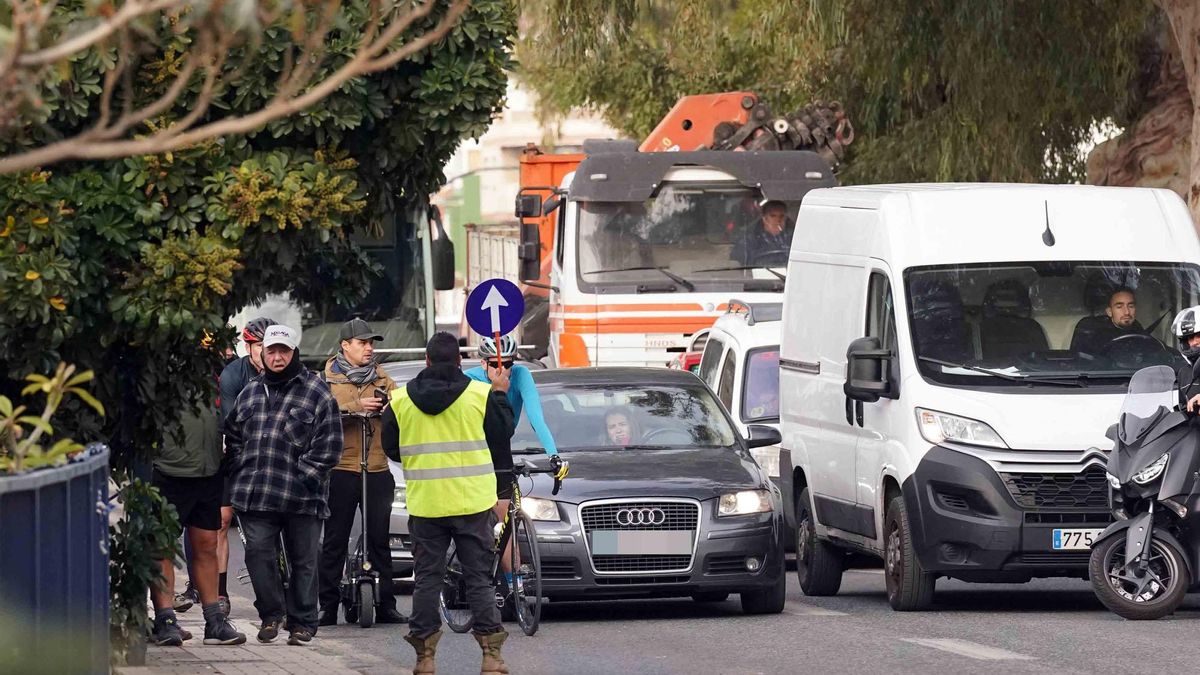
(360, 581)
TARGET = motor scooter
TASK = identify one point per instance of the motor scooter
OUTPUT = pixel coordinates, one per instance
(360, 580)
(1143, 565)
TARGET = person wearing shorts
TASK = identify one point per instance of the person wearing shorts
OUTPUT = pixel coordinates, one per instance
(187, 472)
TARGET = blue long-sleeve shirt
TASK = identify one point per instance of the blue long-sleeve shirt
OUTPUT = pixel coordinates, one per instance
(522, 394)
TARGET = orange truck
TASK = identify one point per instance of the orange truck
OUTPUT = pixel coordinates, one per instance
(625, 253)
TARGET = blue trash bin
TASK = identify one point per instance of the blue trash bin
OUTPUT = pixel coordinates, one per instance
(54, 563)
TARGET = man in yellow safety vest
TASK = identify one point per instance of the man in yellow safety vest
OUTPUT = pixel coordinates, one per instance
(446, 429)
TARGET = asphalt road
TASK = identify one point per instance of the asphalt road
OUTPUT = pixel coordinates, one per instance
(1042, 627)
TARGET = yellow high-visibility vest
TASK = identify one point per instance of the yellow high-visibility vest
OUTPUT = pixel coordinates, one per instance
(447, 464)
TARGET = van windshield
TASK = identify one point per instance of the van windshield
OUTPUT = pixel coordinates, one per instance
(1069, 322)
(687, 236)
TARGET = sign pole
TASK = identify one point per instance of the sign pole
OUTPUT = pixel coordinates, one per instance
(497, 350)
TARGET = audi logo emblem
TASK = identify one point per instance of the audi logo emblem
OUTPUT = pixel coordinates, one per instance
(641, 516)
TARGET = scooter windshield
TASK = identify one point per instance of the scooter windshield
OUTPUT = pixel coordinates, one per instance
(1151, 393)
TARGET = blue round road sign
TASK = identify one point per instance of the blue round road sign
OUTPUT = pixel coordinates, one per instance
(495, 306)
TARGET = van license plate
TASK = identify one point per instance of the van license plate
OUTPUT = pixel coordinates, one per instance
(1074, 540)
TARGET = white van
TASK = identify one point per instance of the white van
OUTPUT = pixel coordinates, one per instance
(740, 362)
(951, 358)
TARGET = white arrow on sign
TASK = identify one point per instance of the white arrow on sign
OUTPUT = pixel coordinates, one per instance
(493, 302)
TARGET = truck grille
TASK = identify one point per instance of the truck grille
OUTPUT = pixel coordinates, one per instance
(1085, 490)
(676, 516)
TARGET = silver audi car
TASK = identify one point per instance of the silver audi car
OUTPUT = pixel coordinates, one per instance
(663, 497)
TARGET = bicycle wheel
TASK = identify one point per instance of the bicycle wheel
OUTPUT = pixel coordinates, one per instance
(527, 574)
(455, 609)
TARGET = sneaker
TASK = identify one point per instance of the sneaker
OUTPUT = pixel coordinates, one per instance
(187, 634)
(167, 634)
(226, 606)
(185, 600)
(299, 637)
(269, 631)
(222, 632)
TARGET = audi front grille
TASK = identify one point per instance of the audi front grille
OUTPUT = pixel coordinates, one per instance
(640, 516)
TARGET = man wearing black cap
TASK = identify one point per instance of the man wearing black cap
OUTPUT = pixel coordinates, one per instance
(357, 383)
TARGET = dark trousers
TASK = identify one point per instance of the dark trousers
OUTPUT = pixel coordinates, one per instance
(345, 491)
(301, 538)
(472, 536)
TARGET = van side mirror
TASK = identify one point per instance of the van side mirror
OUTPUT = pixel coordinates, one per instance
(441, 253)
(761, 435)
(550, 205)
(528, 206)
(530, 252)
(866, 371)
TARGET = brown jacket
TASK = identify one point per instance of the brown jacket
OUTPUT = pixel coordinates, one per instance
(348, 395)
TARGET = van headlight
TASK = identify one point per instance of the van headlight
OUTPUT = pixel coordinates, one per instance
(937, 427)
(540, 509)
(400, 498)
(744, 503)
(1151, 472)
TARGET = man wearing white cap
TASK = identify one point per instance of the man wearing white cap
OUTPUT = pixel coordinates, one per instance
(281, 441)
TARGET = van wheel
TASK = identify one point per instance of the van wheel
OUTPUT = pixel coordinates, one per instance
(909, 587)
(818, 564)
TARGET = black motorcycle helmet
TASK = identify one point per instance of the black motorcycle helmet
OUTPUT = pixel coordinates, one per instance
(1184, 327)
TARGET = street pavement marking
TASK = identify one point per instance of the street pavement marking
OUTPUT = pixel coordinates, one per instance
(971, 650)
(810, 610)
(871, 571)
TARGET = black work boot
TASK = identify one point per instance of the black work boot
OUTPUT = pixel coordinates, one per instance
(328, 616)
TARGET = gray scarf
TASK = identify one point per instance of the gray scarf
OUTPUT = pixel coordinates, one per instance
(358, 375)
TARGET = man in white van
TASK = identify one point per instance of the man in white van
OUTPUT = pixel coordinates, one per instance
(1091, 337)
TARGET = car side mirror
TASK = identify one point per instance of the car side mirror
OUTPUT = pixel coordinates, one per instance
(761, 435)
(1111, 434)
(528, 206)
(866, 372)
(441, 253)
(530, 252)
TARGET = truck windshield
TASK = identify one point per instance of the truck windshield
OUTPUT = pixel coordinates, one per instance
(712, 235)
(1042, 323)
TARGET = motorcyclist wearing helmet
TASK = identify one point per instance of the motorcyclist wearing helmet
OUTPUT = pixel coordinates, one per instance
(522, 394)
(1186, 329)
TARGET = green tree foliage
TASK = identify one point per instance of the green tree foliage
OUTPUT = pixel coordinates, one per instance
(937, 89)
(123, 267)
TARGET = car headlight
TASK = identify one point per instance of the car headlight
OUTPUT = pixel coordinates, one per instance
(744, 502)
(540, 509)
(937, 427)
(400, 498)
(768, 459)
(1151, 472)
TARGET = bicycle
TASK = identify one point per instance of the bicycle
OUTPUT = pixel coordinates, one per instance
(525, 593)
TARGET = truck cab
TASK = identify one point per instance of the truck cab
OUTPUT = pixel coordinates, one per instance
(648, 247)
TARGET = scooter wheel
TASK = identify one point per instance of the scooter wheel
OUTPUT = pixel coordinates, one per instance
(1125, 599)
(366, 605)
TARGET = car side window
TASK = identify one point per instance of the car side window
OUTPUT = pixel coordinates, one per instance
(881, 316)
(725, 389)
(710, 360)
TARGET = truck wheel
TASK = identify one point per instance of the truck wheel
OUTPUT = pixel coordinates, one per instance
(818, 563)
(768, 600)
(909, 587)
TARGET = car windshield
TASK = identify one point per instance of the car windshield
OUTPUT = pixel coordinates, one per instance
(687, 234)
(760, 393)
(1042, 323)
(612, 416)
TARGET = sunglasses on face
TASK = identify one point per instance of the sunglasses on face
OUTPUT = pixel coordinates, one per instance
(507, 365)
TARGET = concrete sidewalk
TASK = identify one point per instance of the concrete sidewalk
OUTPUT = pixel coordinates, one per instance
(326, 655)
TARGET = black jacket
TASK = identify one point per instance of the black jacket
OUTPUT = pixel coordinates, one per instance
(437, 388)
(1188, 380)
(234, 379)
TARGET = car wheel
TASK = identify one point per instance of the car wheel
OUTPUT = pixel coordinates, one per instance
(909, 586)
(768, 600)
(819, 564)
(710, 596)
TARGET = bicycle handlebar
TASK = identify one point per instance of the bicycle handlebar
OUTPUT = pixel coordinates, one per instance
(558, 468)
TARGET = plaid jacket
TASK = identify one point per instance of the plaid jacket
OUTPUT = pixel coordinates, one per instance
(281, 442)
